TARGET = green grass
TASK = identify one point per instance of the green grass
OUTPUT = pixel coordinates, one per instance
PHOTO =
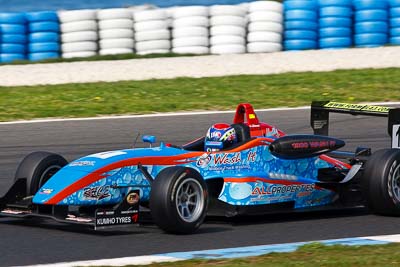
(183, 94)
(309, 256)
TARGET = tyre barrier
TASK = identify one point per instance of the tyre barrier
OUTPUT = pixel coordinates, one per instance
(394, 23)
(335, 24)
(79, 35)
(371, 24)
(190, 24)
(12, 37)
(301, 16)
(150, 27)
(265, 32)
(43, 35)
(121, 21)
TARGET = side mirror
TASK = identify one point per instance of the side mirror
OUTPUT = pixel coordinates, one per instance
(149, 139)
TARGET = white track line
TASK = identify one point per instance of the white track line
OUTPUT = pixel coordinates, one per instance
(172, 114)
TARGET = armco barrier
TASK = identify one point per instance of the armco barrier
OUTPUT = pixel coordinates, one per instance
(259, 26)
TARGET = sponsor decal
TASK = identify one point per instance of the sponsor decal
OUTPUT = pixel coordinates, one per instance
(114, 220)
(314, 144)
(132, 198)
(204, 160)
(227, 159)
(97, 192)
(358, 107)
(77, 219)
(282, 189)
(82, 163)
(46, 191)
(251, 157)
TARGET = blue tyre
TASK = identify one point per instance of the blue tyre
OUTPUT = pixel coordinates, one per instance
(335, 22)
(12, 48)
(12, 18)
(13, 38)
(41, 16)
(336, 42)
(43, 47)
(12, 29)
(335, 32)
(395, 32)
(300, 4)
(44, 37)
(326, 3)
(394, 12)
(292, 45)
(395, 40)
(370, 4)
(371, 27)
(394, 3)
(300, 34)
(6, 58)
(47, 26)
(333, 11)
(370, 39)
(298, 14)
(42, 56)
(301, 25)
(371, 15)
(395, 23)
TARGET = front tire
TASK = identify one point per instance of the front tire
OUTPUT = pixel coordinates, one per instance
(381, 182)
(38, 168)
(178, 200)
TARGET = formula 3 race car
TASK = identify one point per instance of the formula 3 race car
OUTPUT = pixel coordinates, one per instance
(267, 171)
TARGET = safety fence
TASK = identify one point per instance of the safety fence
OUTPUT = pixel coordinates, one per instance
(255, 27)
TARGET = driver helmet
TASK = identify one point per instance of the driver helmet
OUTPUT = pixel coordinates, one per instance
(220, 136)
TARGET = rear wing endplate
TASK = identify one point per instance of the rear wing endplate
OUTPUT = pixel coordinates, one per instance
(320, 116)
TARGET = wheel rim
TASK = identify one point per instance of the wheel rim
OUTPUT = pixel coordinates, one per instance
(47, 174)
(395, 182)
(190, 200)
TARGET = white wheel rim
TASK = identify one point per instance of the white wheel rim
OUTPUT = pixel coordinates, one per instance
(189, 200)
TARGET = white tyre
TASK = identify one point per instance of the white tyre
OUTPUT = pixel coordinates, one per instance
(77, 15)
(155, 51)
(115, 24)
(116, 33)
(227, 39)
(79, 26)
(227, 10)
(271, 37)
(188, 11)
(79, 36)
(79, 54)
(265, 16)
(266, 6)
(198, 50)
(115, 51)
(190, 41)
(228, 49)
(189, 31)
(227, 30)
(263, 47)
(228, 20)
(117, 43)
(153, 45)
(150, 25)
(265, 26)
(190, 22)
(152, 35)
(145, 15)
(78, 47)
(114, 13)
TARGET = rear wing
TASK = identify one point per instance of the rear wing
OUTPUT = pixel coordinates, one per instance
(320, 116)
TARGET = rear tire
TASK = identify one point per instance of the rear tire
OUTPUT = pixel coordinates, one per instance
(38, 168)
(178, 200)
(381, 182)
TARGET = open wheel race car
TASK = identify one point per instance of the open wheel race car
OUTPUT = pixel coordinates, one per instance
(266, 171)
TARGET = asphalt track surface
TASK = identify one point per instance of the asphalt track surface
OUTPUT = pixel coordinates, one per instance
(34, 242)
